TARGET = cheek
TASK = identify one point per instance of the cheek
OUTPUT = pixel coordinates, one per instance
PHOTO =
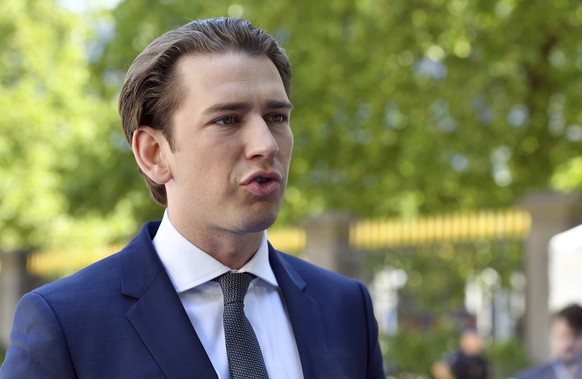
(216, 168)
(194, 173)
(564, 343)
(285, 143)
(211, 156)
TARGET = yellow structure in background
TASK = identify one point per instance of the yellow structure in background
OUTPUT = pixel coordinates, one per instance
(58, 263)
(364, 235)
(55, 264)
(289, 240)
(457, 227)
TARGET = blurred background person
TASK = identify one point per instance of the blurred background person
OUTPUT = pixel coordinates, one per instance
(468, 362)
(566, 347)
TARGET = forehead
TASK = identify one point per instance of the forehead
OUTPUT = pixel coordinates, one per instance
(561, 326)
(213, 72)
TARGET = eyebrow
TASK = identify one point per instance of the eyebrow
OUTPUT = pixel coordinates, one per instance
(271, 104)
(279, 104)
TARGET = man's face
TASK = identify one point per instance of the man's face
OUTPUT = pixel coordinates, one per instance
(471, 343)
(565, 344)
(232, 145)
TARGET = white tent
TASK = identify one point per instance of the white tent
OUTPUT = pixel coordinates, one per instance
(565, 269)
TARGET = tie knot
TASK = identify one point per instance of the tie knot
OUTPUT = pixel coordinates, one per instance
(234, 286)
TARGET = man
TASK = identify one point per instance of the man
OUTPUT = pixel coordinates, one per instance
(206, 110)
(565, 346)
(468, 362)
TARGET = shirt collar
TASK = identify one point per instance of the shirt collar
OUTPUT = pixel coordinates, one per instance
(188, 266)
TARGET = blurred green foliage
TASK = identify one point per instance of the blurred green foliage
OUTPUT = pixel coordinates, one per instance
(508, 358)
(420, 105)
(412, 353)
(437, 273)
(65, 171)
(401, 108)
(434, 293)
(416, 352)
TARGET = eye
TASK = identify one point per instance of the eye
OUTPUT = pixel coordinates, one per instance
(277, 118)
(226, 120)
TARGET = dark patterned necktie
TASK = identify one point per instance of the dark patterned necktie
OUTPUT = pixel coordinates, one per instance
(245, 360)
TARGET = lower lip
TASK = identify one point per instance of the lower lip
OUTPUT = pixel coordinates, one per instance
(263, 189)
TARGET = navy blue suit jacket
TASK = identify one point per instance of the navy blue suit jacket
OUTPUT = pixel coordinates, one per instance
(542, 372)
(547, 372)
(122, 318)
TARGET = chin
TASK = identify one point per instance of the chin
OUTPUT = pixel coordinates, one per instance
(260, 221)
(264, 224)
(567, 358)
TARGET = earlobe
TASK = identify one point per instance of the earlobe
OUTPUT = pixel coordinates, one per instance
(149, 148)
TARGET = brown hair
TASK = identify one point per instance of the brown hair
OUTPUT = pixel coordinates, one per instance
(152, 91)
(572, 314)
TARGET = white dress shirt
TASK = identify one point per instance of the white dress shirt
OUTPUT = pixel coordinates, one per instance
(562, 372)
(191, 271)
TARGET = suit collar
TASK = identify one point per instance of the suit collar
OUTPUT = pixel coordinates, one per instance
(160, 320)
(158, 316)
(304, 315)
(140, 264)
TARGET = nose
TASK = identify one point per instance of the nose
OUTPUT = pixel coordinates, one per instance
(260, 141)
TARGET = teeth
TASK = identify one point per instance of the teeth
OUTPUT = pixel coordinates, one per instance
(261, 179)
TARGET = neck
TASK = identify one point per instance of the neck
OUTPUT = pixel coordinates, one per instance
(232, 249)
(232, 252)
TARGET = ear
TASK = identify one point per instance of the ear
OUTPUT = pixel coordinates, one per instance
(150, 148)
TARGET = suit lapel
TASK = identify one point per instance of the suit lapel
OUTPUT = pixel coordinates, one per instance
(305, 317)
(160, 320)
(158, 315)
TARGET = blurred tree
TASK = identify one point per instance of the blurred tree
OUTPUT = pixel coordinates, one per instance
(568, 176)
(401, 107)
(55, 151)
(405, 106)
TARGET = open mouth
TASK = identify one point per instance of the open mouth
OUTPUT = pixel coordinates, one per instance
(262, 179)
(263, 184)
